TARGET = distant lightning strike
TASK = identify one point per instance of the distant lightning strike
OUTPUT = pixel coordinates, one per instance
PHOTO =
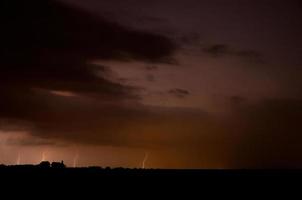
(75, 160)
(18, 159)
(145, 160)
(43, 156)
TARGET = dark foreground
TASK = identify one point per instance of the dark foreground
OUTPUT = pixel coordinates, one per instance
(149, 181)
(98, 172)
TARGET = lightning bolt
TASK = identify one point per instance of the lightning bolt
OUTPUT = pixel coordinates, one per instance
(43, 156)
(145, 160)
(75, 160)
(18, 159)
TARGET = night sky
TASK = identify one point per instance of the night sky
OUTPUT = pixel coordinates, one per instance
(161, 83)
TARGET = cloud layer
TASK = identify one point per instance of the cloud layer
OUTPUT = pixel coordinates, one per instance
(51, 87)
(220, 50)
(48, 80)
(46, 53)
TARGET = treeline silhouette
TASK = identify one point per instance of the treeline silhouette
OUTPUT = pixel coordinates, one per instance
(61, 165)
(51, 171)
(59, 168)
(43, 164)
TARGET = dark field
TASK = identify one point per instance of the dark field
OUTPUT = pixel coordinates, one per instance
(30, 170)
(120, 181)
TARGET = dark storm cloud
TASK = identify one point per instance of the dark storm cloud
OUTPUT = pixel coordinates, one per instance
(220, 50)
(180, 93)
(47, 45)
(48, 84)
(47, 27)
